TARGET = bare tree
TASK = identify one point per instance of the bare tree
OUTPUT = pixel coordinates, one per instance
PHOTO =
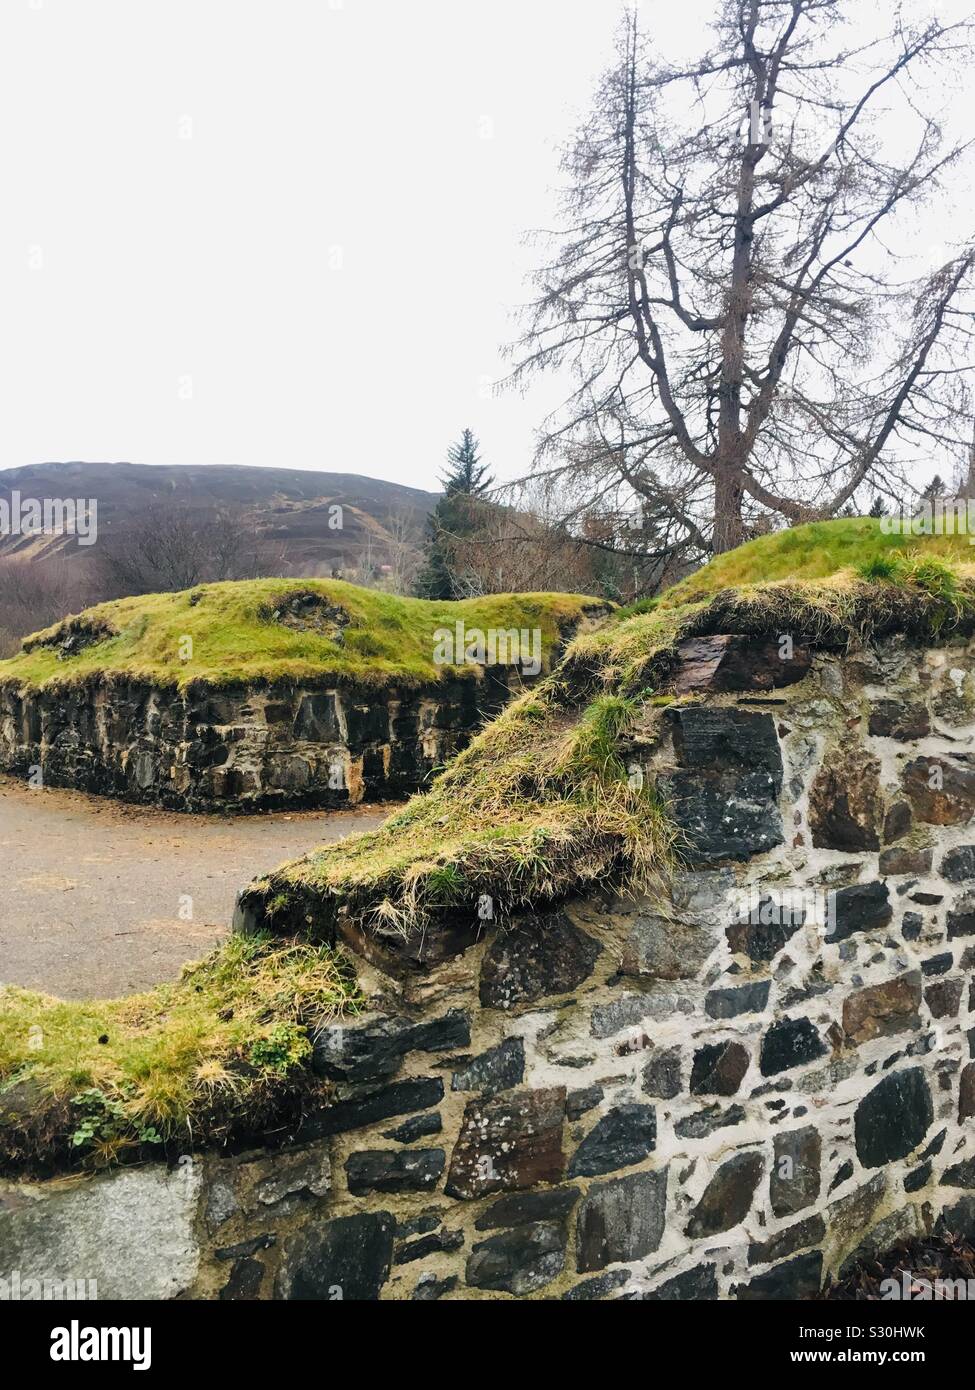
(175, 548)
(744, 341)
(36, 592)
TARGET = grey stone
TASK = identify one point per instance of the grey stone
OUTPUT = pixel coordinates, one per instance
(131, 1232)
(493, 1071)
(620, 1220)
(394, 1170)
(727, 1198)
(545, 954)
(519, 1261)
(624, 1136)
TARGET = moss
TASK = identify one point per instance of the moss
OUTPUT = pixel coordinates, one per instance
(185, 1064)
(812, 552)
(540, 805)
(228, 634)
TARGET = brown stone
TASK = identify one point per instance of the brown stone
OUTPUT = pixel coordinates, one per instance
(509, 1143)
(897, 822)
(940, 792)
(899, 719)
(845, 802)
(882, 1010)
(735, 662)
(905, 861)
(943, 998)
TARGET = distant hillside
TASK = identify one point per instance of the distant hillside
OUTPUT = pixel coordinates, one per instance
(287, 507)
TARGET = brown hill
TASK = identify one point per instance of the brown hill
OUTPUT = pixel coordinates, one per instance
(288, 510)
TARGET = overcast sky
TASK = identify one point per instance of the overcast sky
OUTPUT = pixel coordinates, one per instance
(282, 232)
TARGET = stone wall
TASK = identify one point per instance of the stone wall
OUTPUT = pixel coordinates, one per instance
(727, 1090)
(245, 748)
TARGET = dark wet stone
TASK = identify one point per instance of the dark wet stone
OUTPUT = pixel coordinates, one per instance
(719, 1069)
(420, 1093)
(579, 1103)
(519, 1261)
(498, 1069)
(943, 998)
(733, 662)
(419, 1127)
(591, 1290)
(893, 1118)
(918, 1178)
(522, 1209)
(791, 1042)
(796, 1177)
(699, 1284)
(244, 1284)
(966, 1093)
(765, 931)
(620, 1220)
(394, 1170)
(705, 1122)
(429, 1288)
(348, 1259)
(787, 1242)
(661, 1075)
(624, 1136)
(727, 1199)
(744, 999)
(959, 1174)
(861, 907)
(796, 1279)
(937, 965)
(728, 758)
(375, 1049)
(961, 923)
(543, 955)
(438, 1243)
(897, 822)
(843, 1174)
(958, 865)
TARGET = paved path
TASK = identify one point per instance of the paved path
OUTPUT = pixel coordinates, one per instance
(92, 889)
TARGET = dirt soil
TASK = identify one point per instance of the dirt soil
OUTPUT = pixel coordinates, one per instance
(100, 898)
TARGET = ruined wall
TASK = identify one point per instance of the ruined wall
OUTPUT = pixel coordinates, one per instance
(724, 1092)
(245, 748)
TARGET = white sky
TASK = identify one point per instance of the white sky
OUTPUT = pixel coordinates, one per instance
(322, 273)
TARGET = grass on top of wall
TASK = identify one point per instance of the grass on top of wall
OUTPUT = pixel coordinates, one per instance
(540, 805)
(227, 634)
(224, 1049)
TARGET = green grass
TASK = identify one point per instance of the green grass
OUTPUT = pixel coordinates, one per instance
(226, 634)
(184, 1064)
(540, 806)
(807, 553)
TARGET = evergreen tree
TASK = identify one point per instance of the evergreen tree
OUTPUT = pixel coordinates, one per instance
(877, 509)
(466, 480)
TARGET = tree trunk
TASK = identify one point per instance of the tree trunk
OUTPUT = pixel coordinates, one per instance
(729, 529)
